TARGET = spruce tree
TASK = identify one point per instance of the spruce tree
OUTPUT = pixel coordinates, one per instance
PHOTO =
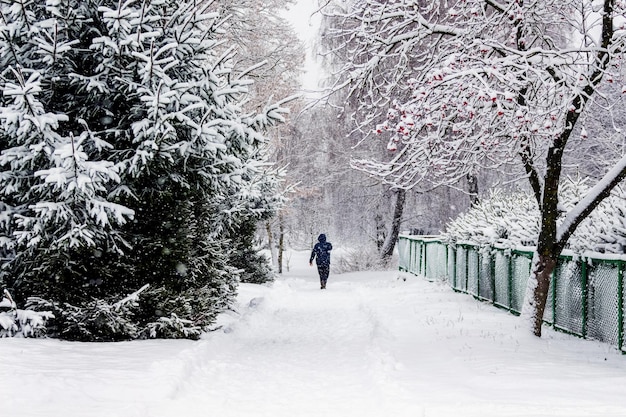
(125, 161)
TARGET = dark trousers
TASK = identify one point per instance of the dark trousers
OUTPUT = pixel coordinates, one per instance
(323, 270)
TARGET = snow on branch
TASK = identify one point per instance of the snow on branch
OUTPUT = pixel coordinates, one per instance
(457, 90)
(131, 298)
(593, 198)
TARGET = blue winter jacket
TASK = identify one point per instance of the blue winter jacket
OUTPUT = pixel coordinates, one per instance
(321, 251)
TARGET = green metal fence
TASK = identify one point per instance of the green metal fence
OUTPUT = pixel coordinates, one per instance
(586, 295)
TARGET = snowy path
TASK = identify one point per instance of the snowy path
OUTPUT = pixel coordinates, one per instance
(369, 345)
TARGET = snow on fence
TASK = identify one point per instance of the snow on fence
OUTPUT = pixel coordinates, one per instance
(586, 293)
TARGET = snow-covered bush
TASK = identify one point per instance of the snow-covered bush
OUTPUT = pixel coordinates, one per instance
(173, 327)
(15, 322)
(186, 314)
(512, 219)
(360, 258)
(498, 218)
(605, 229)
(96, 320)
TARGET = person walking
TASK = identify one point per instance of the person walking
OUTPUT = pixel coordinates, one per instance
(321, 254)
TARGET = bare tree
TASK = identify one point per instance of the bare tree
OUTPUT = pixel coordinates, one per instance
(491, 83)
(365, 77)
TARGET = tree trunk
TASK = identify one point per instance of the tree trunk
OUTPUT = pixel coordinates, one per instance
(552, 241)
(380, 232)
(542, 272)
(270, 242)
(472, 188)
(548, 251)
(392, 237)
(281, 235)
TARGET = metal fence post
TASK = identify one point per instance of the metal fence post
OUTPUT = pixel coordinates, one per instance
(510, 286)
(454, 250)
(425, 260)
(479, 256)
(413, 256)
(620, 308)
(585, 295)
(407, 262)
(492, 273)
(466, 249)
(418, 258)
(447, 263)
(554, 292)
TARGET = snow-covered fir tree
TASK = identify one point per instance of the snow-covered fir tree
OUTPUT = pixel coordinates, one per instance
(125, 161)
(259, 197)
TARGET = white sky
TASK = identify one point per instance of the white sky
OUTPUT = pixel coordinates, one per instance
(306, 24)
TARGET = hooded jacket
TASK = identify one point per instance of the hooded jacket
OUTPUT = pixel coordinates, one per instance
(321, 251)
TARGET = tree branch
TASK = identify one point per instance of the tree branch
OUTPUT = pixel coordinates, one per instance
(593, 198)
(533, 175)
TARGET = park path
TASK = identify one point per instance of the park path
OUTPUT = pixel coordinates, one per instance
(374, 343)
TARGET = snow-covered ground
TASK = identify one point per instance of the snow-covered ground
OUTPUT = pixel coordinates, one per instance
(369, 345)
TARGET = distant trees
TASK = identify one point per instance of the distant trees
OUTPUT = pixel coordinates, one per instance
(265, 42)
(479, 84)
(127, 159)
(333, 138)
(263, 35)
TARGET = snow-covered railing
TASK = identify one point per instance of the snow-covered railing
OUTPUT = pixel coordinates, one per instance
(586, 292)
